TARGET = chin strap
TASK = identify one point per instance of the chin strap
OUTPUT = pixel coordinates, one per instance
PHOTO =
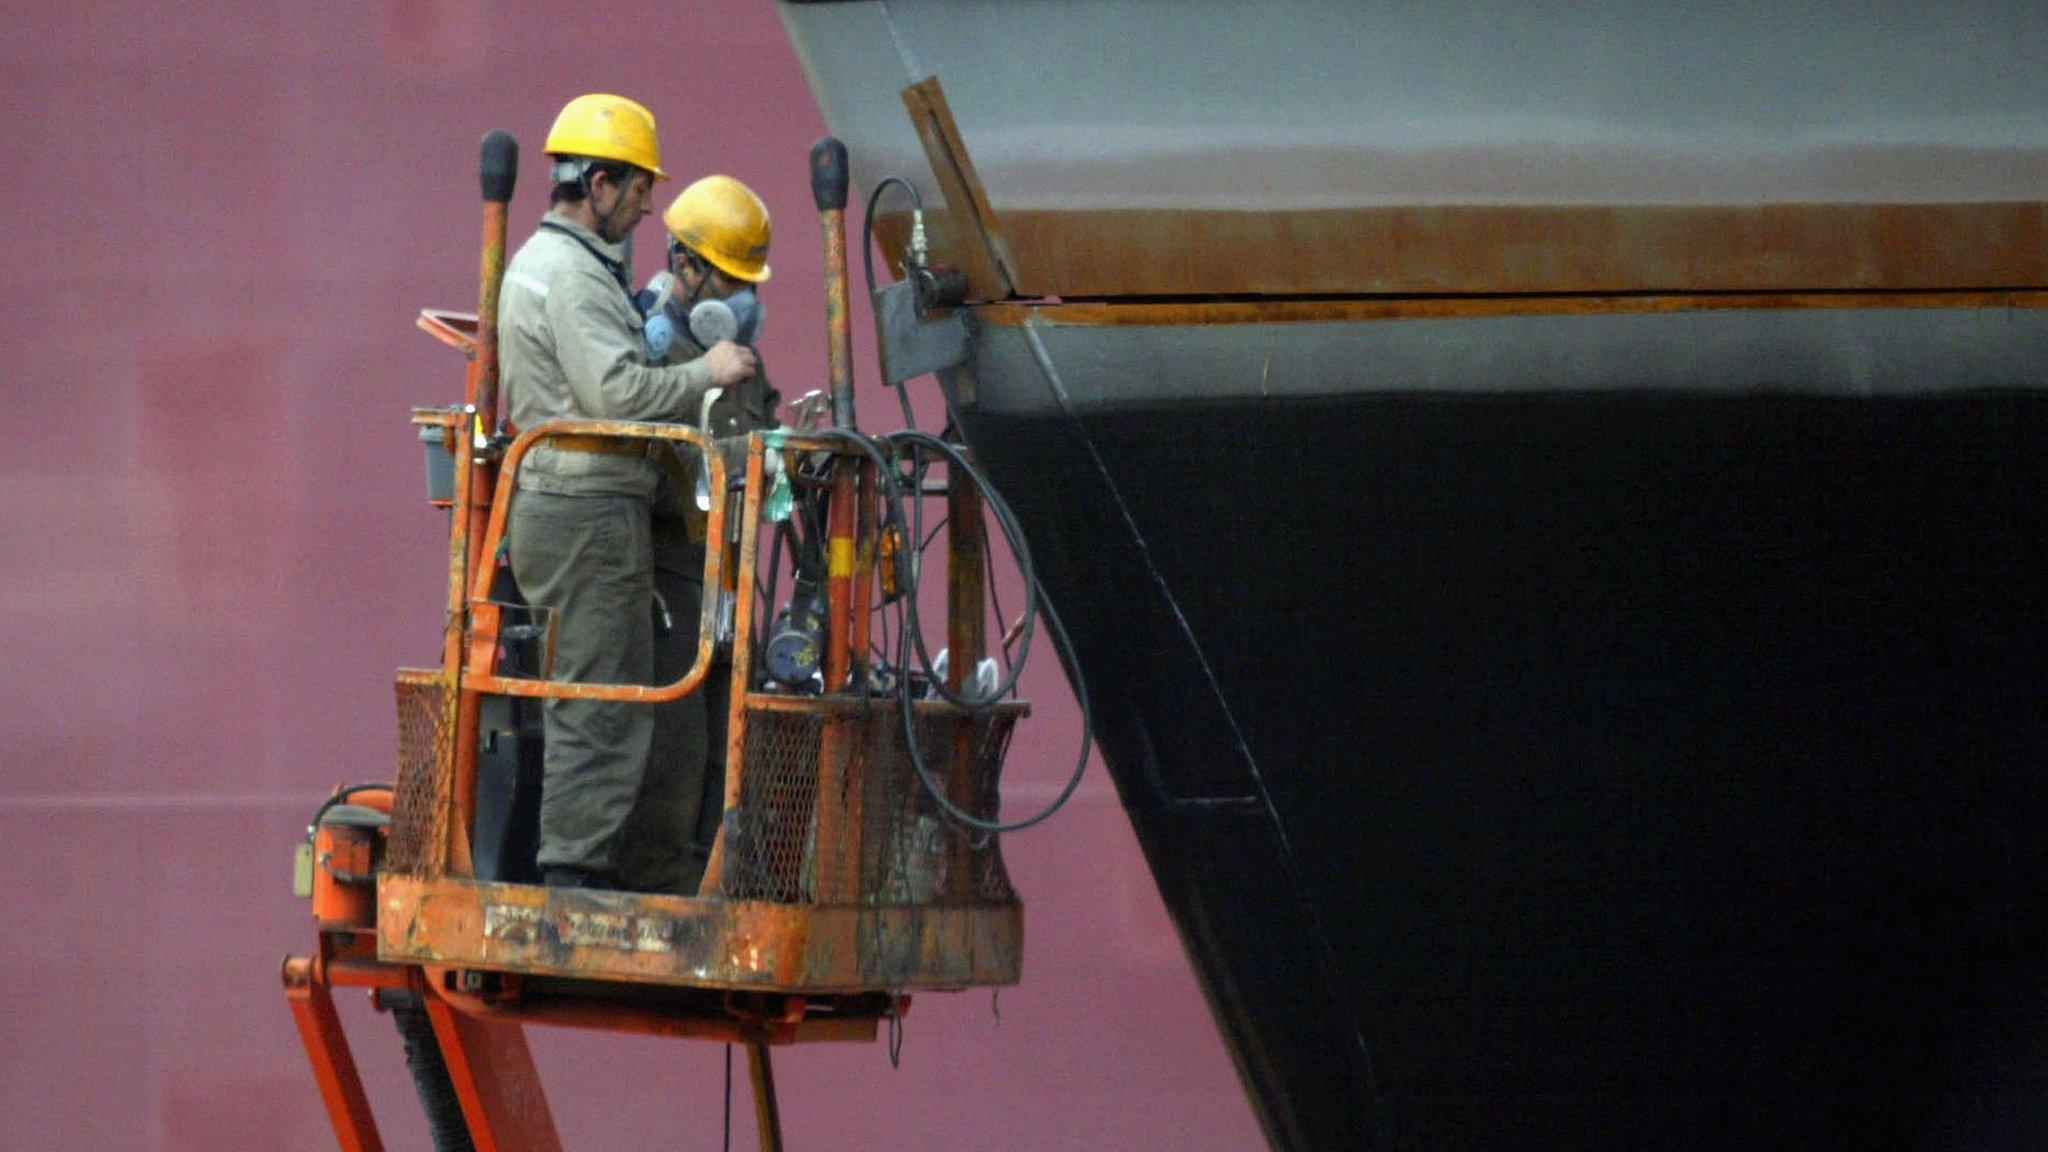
(612, 266)
(604, 222)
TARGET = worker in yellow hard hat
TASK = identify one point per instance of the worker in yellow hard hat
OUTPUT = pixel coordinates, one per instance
(581, 535)
(718, 236)
(723, 222)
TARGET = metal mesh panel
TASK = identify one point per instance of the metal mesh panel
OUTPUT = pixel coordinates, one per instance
(918, 856)
(769, 838)
(903, 834)
(890, 845)
(419, 810)
(988, 879)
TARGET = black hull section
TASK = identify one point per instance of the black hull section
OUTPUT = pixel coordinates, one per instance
(1646, 769)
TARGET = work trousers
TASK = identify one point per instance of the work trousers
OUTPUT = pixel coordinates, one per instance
(622, 783)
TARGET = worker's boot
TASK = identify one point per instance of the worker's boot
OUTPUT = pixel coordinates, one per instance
(558, 876)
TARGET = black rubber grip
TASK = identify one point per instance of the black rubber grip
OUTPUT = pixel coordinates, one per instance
(500, 166)
(828, 174)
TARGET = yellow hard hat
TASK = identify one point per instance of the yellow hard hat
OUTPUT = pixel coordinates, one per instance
(722, 220)
(606, 127)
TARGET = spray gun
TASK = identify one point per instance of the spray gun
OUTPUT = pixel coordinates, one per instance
(932, 287)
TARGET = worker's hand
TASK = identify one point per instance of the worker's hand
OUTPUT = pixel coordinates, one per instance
(730, 363)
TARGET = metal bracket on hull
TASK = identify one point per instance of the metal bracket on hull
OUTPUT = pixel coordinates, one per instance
(969, 223)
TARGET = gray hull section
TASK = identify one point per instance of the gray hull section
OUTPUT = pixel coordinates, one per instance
(1821, 352)
(1548, 731)
(1289, 105)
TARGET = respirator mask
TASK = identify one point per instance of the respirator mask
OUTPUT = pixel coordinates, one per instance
(737, 317)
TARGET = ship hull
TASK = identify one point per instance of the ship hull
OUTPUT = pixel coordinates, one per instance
(1545, 499)
(1648, 764)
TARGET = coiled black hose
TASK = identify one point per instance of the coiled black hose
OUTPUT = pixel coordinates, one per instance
(910, 634)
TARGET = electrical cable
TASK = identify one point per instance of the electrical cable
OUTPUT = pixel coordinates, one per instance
(446, 1128)
(994, 827)
(911, 633)
(895, 1031)
(918, 444)
(340, 796)
(867, 226)
(1013, 535)
(867, 262)
(766, 623)
(995, 599)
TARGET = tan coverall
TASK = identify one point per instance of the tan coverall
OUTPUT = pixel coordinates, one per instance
(582, 542)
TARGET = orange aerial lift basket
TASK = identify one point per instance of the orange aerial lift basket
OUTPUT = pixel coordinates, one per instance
(835, 886)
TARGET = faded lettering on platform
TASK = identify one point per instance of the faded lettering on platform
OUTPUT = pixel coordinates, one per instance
(616, 930)
(512, 924)
(522, 926)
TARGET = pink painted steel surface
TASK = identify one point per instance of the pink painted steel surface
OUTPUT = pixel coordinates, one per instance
(218, 549)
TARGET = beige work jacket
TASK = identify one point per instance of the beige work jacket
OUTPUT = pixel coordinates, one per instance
(570, 347)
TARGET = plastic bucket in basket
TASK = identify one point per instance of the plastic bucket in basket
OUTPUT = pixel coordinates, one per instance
(440, 465)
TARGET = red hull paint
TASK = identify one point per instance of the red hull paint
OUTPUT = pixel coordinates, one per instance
(217, 550)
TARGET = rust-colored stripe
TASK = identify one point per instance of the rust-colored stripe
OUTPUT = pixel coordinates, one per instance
(1011, 314)
(1520, 249)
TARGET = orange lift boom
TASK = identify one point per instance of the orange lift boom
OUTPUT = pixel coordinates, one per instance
(827, 898)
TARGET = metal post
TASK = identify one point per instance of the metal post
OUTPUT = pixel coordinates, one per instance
(828, 189)
(742, 657)
(840, 545)
(839, 744)
(966, 642)
(767, 1114)
(499, 171)
(476, 478)
(843, 745)
(966, 579)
